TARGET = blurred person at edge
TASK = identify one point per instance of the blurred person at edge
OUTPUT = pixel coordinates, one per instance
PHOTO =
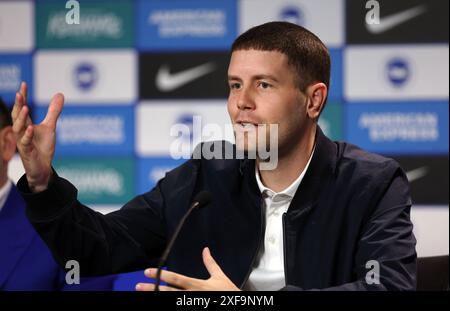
(26, 263)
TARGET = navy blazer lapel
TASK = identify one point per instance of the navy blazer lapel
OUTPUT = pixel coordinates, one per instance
(318, 175)
(16, 234)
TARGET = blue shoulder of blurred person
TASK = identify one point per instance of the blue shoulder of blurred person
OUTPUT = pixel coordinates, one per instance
(26, 263)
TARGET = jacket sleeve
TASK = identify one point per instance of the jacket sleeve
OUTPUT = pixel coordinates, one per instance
(386, 241)
(129, 239)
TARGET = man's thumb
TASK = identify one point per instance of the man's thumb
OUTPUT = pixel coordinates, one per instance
(210, 264)
(54, 109)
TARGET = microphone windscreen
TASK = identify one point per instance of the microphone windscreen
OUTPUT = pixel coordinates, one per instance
(203, 198)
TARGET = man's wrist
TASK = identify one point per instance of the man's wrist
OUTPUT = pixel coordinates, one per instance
(36, 187)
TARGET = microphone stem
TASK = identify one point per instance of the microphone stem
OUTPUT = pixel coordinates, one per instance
(169, 246)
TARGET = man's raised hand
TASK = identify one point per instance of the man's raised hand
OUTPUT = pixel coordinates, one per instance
(36, 142)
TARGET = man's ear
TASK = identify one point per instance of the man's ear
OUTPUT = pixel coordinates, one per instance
(317, 93)
(7, 143)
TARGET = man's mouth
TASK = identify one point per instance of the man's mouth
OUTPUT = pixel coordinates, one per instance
(248, 125)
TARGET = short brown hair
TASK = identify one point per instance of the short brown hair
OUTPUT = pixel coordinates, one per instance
(305, 51)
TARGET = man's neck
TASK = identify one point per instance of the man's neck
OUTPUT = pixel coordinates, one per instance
(290, 165)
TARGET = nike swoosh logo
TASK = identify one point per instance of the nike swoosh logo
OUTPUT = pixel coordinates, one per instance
(166, 81)
(389, 22)
(417, 173)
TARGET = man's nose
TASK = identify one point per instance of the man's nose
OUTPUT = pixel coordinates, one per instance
(246, 100)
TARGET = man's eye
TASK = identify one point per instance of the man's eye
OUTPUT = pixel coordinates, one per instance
(264, 85)
(235, 86)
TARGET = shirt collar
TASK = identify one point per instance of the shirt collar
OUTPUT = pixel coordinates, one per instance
(4, 192)
(291, 189)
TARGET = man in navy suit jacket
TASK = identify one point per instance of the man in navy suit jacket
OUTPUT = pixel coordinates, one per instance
(25, 261)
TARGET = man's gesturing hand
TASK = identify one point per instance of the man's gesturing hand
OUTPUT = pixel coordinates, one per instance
(36, 142)
(217, 282)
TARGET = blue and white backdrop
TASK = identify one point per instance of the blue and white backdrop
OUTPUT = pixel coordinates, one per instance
(123, 72)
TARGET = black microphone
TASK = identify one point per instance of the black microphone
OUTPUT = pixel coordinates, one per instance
(202, 199)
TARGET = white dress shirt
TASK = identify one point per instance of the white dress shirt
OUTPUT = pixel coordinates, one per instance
(268, 274)
(4, 192)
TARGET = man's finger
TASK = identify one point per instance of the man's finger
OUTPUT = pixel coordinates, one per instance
(24, 92)
(19, 103)
(27, 136)
(210, 264)
(54, 110)
(151, 287)
(20, 122)
(172, 278)
(17, 106)
(20, 100)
